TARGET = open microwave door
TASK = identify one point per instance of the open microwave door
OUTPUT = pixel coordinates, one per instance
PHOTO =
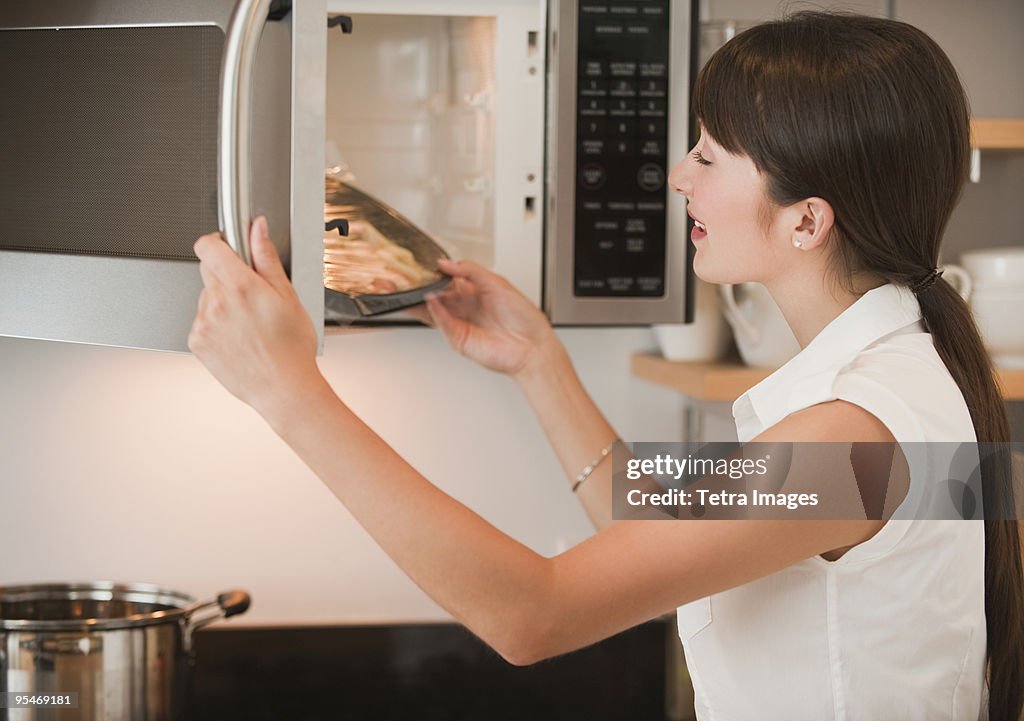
(113, 141)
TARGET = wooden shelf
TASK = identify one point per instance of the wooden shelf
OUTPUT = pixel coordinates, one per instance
(711, 381)
(728, 380)
(997, 134)
(1012, 384)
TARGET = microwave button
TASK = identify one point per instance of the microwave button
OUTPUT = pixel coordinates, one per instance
(591, 148)
(592, 9)
(622, 147)
(594, 69)
(607, 30)
(651, 177)
(623, 69)
(622, 88)
(653, 88)
(605, 241)
(638, 30)
(652, 149)
(590, 284)
(593, 88)
(624, 128)
(652, 128)
(624, 10)
(627, 206)
(652, 108)
(653, 70)
(592, 206)
(593, 127)
(593, 176)
(620, 284)
(623, 108)
(636, 225)
(650, 284)
(651, 206)
(606, 225)
(597, 107)
(654, 11)
(636, 245)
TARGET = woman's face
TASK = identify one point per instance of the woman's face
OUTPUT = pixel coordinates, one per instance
(727, 197)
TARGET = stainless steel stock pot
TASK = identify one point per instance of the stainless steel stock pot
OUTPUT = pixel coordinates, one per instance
(125, 650)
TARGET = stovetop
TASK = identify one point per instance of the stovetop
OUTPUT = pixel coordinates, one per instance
(423, 672)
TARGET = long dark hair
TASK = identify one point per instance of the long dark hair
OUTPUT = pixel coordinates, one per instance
(870, 115)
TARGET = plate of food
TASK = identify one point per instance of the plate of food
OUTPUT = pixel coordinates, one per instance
(375, 260)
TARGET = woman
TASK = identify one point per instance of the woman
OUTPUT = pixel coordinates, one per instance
(832, 151)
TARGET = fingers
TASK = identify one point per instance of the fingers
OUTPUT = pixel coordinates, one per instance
(461, 298)
(265, 259)
(219, 264)
(453, 328)
(471, 271)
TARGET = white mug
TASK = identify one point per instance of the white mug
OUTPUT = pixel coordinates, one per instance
(762, 334)
(960, 279)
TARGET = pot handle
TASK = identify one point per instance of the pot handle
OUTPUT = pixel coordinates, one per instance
(960, 280)
(227, 604)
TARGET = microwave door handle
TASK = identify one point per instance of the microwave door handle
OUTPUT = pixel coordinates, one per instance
(233, 167)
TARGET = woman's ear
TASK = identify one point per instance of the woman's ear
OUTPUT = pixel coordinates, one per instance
(811, 222)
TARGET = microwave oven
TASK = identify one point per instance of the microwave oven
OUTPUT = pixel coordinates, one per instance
(533, 136)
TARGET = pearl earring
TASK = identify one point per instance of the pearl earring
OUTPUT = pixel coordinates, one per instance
(797, 244)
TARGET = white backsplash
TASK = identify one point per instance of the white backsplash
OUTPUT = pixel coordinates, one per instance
(137, 466)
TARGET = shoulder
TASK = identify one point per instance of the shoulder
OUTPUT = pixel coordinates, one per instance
(905, 383)
(834, 420)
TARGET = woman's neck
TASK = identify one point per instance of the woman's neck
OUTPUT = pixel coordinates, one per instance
(811, 304)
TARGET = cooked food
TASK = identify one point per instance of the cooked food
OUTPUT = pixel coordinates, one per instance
(367, 263)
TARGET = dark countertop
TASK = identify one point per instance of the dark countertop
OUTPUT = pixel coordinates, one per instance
(425, 672)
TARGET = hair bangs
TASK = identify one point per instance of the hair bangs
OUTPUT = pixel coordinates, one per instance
(728, 97)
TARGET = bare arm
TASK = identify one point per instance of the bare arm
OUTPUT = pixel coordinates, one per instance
(526, 606)
(487, 320)
(252, 333)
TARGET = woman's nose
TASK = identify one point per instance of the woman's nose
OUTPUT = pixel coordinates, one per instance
(679, 179)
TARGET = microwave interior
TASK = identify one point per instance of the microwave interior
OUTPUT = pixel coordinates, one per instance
(410, 121)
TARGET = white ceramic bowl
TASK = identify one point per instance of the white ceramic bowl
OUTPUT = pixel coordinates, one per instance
(996, 267)
(998, 313)
(706, 339)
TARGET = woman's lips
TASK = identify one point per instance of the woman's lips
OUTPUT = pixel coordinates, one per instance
(699, 232)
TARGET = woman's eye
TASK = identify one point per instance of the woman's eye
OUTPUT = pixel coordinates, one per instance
(700, 158)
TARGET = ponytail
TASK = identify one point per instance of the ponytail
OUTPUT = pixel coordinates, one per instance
(959, 344)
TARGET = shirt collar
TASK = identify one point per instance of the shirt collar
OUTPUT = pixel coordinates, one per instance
(808, 377)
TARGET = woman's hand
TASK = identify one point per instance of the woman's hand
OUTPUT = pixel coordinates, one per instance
(251, 330)
(487, 320)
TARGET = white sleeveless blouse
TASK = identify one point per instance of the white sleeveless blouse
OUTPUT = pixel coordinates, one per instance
(895, 629)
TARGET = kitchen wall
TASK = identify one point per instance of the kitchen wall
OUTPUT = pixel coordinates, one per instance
(137, 466)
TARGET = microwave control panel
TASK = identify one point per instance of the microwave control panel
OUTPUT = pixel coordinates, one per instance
(621, 148)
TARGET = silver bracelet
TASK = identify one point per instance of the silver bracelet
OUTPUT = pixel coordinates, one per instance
(592, 466)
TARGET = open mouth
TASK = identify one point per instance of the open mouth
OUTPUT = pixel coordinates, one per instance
(699, 231)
